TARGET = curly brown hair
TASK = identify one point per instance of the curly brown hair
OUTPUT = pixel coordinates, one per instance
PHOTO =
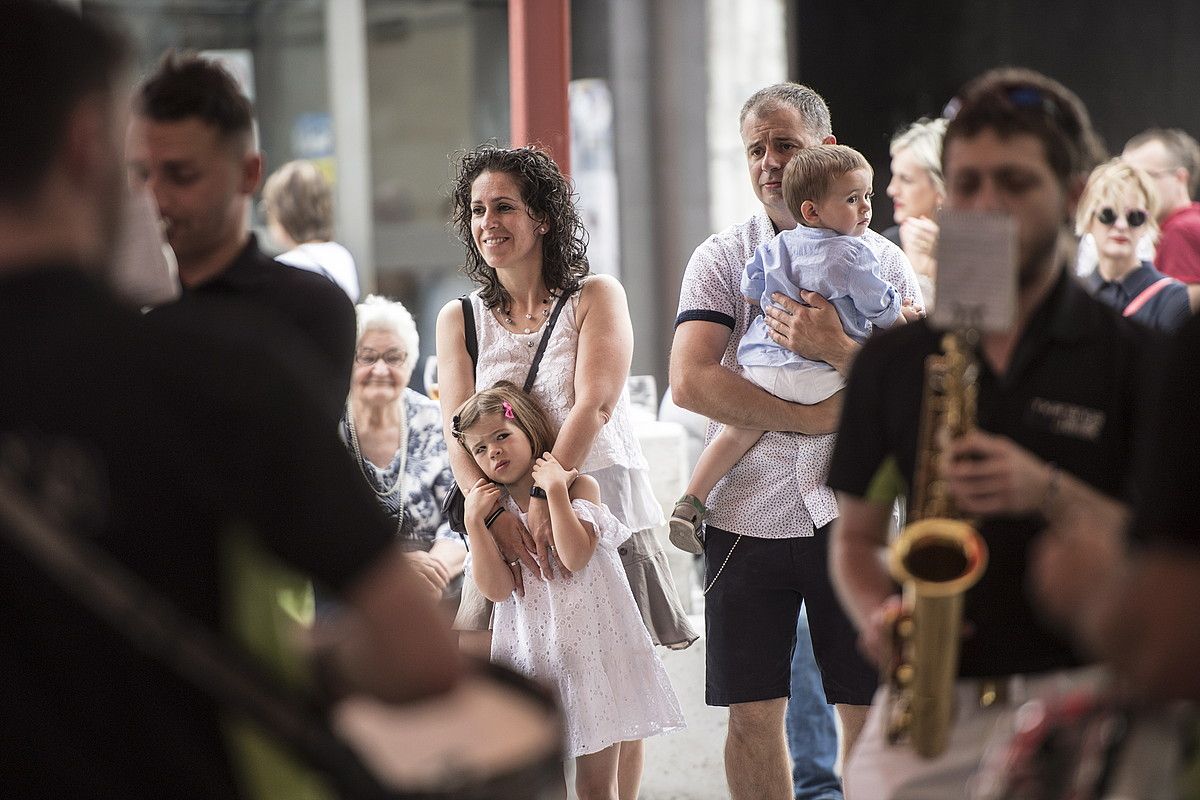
(547, 194)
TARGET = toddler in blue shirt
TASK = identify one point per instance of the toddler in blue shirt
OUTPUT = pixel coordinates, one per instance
(828, 191)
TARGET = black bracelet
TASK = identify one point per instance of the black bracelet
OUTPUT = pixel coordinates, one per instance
(537, 491)
(487, 523)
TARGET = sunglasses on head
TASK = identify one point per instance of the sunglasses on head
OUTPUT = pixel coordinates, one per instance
(1135, 217)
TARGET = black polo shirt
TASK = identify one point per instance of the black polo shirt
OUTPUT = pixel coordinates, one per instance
(1069, 397)
(191, 445)
(312, 307)
(1168, 510)
(1164, 311)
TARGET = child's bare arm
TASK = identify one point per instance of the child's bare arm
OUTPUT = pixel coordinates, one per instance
(493, 577)
(574, 540)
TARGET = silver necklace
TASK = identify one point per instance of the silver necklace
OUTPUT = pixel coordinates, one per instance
(508, 320)
(397, 487)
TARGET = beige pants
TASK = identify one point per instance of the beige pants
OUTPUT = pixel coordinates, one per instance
(877, 770)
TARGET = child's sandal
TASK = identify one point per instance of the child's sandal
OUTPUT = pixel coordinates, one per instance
(686, 524)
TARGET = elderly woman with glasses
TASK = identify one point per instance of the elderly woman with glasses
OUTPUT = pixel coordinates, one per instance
(1117, 208)
(395, 435)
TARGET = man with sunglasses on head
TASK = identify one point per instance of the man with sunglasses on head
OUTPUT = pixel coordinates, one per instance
(1055, 413)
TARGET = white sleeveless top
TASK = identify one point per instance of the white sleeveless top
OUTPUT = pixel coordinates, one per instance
(616, 459)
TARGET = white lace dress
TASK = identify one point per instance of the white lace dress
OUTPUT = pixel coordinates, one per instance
(615, 460)
(584, 636)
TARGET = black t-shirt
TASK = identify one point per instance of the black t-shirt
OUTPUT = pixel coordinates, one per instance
(190, 440)
(1168, 511)
(256, 293)
(1069, 396)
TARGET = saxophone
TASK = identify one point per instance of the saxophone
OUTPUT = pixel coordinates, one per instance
(937, 557)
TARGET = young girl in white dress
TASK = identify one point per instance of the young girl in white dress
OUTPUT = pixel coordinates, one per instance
(583, 634)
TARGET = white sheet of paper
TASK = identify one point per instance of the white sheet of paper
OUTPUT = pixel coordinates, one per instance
(976, 271)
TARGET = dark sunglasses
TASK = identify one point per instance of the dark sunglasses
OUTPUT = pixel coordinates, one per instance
(1135, 217)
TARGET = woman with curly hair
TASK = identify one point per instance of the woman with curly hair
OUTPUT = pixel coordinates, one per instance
(526, 248)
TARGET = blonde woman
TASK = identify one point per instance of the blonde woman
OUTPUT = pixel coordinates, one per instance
(918, 190)
(1118, 209)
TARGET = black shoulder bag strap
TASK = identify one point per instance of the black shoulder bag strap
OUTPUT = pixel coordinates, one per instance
(473, 342)
(469, 331)
(541, 351)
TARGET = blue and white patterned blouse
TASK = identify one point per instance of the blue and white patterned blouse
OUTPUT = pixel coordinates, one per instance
(427, 480)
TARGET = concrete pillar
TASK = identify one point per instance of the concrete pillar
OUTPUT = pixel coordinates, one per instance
(346, 51)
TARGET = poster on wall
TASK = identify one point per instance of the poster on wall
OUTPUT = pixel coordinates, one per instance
(312, 140)
(594, 172)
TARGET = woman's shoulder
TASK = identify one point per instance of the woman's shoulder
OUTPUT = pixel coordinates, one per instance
(452, 310)
(601, 291)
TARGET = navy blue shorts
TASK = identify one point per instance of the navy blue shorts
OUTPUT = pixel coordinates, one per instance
(750, 618)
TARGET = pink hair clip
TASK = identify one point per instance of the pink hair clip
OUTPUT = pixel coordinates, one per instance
(508, 412)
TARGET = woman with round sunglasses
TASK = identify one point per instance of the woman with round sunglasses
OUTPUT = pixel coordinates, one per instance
(1117, 209)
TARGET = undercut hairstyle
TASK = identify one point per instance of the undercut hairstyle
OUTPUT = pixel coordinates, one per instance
(377, 313)
(548, 197)
(813, 170)
(923, 141)
(1108, 185)
(1013, 101)
(812, 107)
(1182, 149)
(188, 85)
(298, 197)
(527, 415)
(53, 60)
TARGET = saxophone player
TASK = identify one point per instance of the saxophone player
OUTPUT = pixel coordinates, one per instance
(1055, 402)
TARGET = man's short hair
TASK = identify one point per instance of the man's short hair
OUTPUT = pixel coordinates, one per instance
(1183, 150)
(53, 58)
(188, 85)
(811, 106)
(1012, 101)
(298, 197)
(812, 171)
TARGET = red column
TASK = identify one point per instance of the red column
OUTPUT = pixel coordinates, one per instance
(539, 53)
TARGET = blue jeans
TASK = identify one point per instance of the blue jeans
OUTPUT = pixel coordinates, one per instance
(811, 730)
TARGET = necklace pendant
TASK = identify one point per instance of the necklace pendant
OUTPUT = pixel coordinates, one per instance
(527, 330)
(529, 316)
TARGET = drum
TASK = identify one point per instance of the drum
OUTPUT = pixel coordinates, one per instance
(497, 736)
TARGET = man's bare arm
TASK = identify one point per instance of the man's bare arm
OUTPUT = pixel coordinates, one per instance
(863, 585)
(700, 383)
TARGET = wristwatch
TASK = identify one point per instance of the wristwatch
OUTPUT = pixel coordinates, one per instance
(537, 491)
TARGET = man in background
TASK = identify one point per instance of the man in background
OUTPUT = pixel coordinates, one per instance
(1172, 159)
(191, 141)
(178, 454)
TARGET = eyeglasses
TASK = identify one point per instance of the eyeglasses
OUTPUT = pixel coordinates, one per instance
(1135, 217)
(393, 358)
